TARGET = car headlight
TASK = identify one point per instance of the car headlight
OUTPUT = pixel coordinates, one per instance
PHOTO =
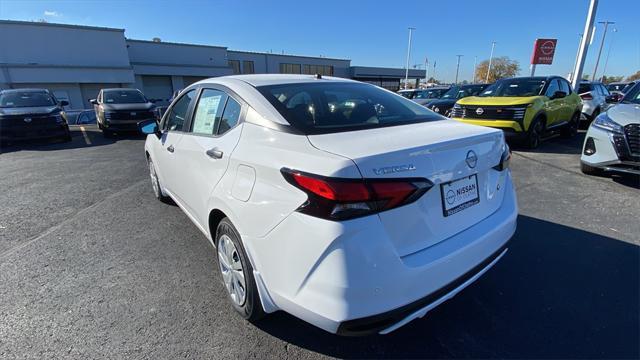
(604, 122)
(436, 109)
(456, 106)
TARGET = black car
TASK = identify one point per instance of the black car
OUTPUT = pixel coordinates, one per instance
(28, 114)
(456, 92)
(121, 109)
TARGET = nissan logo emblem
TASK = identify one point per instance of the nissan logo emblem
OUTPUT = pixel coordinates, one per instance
(472, 159)
(479, 111)
(27, 120)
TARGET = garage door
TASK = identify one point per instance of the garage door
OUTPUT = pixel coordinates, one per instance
(157, 88)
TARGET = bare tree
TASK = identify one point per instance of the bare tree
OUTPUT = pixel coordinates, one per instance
(501, 67)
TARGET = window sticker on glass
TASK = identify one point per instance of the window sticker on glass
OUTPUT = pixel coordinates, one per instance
(205, 117)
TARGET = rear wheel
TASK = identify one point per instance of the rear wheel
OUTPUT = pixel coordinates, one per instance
(534, 134)
(590, 170)
(571, 129)
(237, 273)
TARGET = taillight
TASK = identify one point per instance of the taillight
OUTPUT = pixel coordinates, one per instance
(586, 96)
(505, 159)
(341, 199)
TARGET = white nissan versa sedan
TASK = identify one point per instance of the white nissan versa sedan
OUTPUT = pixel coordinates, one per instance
(339, 202)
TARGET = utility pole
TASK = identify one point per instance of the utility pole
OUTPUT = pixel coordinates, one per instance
(434, 71)
(493, 46)
(475, 63)
(406, 72)
(584, 46)
(458, 67)
(606, 62)
(604, 35)
(426, 71)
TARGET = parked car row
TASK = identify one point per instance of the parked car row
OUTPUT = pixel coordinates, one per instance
(526, 108)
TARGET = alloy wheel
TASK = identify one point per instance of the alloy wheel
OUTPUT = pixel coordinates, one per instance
(231, 269)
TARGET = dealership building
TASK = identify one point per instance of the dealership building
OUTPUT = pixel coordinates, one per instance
(75, 62)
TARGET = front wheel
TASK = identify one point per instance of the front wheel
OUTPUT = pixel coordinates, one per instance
(571, 129)
(534, 134)
(237, 273)
(155, 184)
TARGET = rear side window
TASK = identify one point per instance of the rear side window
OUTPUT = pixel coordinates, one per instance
(230, 117)
(326, 107)
(604, 90)
(176, 118)
(583, 88)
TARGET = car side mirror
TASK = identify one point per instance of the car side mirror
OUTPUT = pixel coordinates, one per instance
(558, 95)
(613, 98)
(94, 101)
(149, 127)
(64, 103)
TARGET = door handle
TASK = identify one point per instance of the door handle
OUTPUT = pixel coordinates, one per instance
(171, 149)
(214, 153)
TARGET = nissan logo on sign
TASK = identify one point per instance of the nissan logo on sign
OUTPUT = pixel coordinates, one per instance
(543, 50)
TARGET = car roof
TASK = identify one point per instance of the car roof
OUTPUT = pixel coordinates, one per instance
(276, 79)
(120, 89)
(24, 90)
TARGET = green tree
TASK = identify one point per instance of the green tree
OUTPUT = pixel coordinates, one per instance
(501, 67)
(634, 77)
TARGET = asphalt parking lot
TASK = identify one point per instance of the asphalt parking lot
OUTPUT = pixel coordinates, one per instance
(92, 266)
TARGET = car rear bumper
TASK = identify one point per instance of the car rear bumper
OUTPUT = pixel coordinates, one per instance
(347, 278)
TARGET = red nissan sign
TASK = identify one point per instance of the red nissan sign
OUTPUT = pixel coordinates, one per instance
(543, 50)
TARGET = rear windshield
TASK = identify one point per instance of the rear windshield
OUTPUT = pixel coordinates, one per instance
(326, 107)
(124, 97)
(584, 88)
(26, 99)
(515, 88)
(430, 94)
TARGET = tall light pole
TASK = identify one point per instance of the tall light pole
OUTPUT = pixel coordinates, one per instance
(584, 45)
(406, 72)
(475, 63)
(458, 67)
(604, 35)
(606, 62)
(426, 71)
(434, 71)
(493, 46)
(575, 64)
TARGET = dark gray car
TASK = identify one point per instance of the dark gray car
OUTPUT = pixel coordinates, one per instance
(121, 109)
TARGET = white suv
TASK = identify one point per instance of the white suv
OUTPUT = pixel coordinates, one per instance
(593, 95)
(339, 202)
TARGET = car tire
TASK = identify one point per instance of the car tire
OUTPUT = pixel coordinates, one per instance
(155, 183)
(534, 134)
(571, 129)
(108, 134)
(590, 170)
(67, 137)
(236, 272)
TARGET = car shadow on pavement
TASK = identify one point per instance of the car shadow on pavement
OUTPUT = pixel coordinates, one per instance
(560, 292)
(556, 145)
(80, 139)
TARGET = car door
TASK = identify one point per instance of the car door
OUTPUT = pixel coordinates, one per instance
(553, 107)
(206, 147)
(569, 102)
(173, 124)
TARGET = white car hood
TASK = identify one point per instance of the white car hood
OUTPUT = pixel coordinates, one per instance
(625, 114)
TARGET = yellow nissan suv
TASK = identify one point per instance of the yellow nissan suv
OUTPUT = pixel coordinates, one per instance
(525, 108)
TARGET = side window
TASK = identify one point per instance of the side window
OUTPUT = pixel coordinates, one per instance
(208, 112)
(230, 117)
(553, 87)
(564, 86)
(176, 118)
(604, 90)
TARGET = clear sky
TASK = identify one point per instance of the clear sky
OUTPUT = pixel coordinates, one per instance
(371, 33)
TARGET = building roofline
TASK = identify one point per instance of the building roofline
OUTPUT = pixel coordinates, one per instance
(289, 55)
(69, 26)
(176, 43)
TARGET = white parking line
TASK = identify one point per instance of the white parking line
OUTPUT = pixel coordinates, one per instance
(86, 137)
